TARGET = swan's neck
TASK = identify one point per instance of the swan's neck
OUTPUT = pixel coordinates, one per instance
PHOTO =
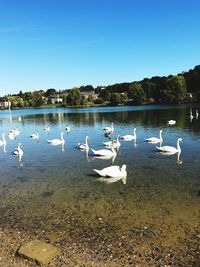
(86, 142)
(3, 137)
(135, 133)
(62, 137)
(161, 137)
(178, 146)
(113, 150)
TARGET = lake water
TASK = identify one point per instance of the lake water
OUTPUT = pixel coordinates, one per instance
(53, 193)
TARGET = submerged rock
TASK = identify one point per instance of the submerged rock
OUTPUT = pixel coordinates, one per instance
(38, 251)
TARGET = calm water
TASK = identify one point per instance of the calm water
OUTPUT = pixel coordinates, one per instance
(58, 184)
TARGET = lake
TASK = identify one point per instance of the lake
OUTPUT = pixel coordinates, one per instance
(52, 193)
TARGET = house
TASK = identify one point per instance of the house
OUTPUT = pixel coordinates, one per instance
(56, 99)
(89, 94)
(5, 104)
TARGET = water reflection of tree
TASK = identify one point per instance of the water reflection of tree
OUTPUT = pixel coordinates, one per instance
(152, 118)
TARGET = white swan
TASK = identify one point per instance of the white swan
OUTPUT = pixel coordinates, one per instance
(84, 146)
(171, 122)
(155, 140)
(197, 114)
(3, 141)
(113, 171)
(114, 143)
(47, 128)
(171, 149)
(18, 151)
(35, 136)
(129, 137)
(14, 131)
(68, 129)
(57, 141)
(104, 152)
(109, 129)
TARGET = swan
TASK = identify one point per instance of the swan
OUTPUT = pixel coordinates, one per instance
(57, 141)
(18, 151)
(171, 122)
(113, 143)
(109, 129)
(129, 137)
(68, 129)
(84, 146)
(14, 131)
(113, 171)
(35, 136)
(197, 114)
(155, 140)
(47, 128)
(3, 141)
(105, 152)
(171, 149)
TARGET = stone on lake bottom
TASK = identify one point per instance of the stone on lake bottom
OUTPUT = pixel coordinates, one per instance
(38, 251)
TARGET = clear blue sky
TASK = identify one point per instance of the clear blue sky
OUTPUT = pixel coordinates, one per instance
(65, 43)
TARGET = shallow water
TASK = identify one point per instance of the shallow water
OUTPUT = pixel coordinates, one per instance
(158, 203)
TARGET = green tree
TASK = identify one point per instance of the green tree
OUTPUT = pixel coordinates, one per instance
(174, 90)
(136, 93)
(74, 97)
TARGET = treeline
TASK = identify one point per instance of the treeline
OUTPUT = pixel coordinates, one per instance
(159, 90)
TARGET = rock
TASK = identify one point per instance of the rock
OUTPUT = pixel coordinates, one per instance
(38, 251)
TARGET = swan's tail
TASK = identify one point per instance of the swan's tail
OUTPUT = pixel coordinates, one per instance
(159, 148)
(94, 151)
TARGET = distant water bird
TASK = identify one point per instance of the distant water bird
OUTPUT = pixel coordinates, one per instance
(14, 131)
(11, 136)
(114, 143)
(18, 151)
(57, 141)
(197, 114)
(154, 140)
(191, 115)
(109, 129)
(171, 149)
(47, 128)
(171, 122)
(67, 129)
(113, 171)
(104, 152)
(19, 118)
(84, 146)
(35, 136)
(129, 137)
(3, 141)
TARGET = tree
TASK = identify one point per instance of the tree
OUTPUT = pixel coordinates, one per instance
(74, 97)
(136, 93)
(50, 92)
(174, 90)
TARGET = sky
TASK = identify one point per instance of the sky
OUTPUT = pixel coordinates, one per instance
(63, 44)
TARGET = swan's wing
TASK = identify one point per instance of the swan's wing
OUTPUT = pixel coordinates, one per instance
(165, 148)
(109, 171)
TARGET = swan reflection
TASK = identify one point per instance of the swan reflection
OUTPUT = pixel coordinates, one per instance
(178, 160)
(112, 158)
(113, 180)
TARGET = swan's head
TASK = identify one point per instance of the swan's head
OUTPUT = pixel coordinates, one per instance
(180, 139)
(135, 129)
(161, 131)
(20, 145)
